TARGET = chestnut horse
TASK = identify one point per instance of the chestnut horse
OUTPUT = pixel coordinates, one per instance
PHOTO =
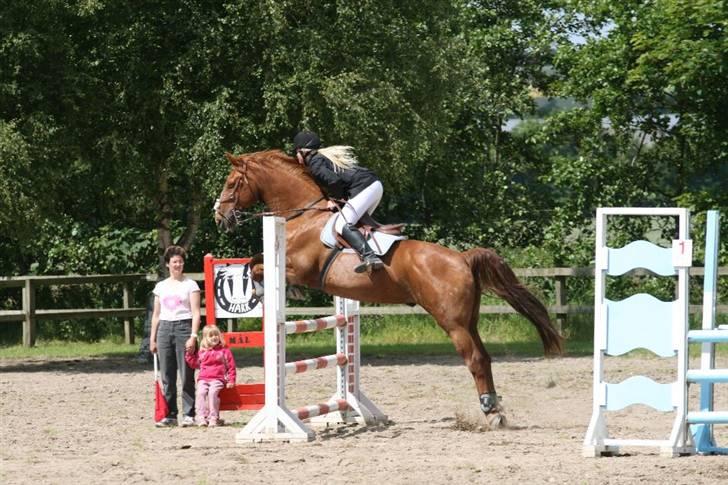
(446, 283)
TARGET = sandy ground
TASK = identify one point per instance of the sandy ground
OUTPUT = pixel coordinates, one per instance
(90, 421)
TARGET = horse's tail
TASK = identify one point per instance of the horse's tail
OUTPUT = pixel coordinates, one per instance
(492, 273)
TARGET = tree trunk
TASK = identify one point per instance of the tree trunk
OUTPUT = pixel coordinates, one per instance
(164, 232)
(193, 219)
(164, 222)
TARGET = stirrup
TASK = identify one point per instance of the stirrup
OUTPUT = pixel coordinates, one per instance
(369, 265)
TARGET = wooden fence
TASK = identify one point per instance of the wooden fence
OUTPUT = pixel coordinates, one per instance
(29, 313)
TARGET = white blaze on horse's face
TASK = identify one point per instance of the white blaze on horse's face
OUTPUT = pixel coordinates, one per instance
(221, 220)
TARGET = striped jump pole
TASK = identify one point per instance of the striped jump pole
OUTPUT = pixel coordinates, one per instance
(315, 325)
(275, 421)
(314, 410)
(315, 363)
(360, 409)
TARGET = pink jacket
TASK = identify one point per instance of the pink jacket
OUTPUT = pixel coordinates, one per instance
(216, 363)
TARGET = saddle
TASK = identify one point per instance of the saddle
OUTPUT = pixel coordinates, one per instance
(367, 221)
(367, 225)
(380, 237)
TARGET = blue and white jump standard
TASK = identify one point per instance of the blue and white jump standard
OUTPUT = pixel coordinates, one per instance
(701, 422)
(641, 321)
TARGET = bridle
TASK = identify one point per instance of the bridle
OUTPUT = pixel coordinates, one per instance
(238, 217)
(234, 217)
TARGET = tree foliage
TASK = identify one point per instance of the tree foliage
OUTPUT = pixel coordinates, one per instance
(644, 74)
(114, 117)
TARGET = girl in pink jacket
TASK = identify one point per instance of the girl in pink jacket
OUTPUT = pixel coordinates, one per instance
(217, 369)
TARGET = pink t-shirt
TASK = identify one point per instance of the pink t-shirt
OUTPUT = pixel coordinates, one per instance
(174, 298)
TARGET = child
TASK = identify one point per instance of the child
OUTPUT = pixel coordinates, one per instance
(217, 369)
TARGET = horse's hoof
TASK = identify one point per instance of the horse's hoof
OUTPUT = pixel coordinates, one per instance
(294, 293)
(258, 289)
(495, 420)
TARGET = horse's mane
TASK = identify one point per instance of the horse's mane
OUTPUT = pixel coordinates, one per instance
(278, 159)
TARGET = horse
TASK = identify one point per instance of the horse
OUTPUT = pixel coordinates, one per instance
(446, 283)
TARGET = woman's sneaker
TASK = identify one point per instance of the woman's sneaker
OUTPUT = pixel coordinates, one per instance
(166, 423)
(187, 421)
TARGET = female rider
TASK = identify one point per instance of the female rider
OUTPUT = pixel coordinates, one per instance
(340, 176)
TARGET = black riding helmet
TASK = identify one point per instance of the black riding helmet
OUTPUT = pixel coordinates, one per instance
(306, 140)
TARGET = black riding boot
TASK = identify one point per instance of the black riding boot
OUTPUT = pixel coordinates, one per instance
(370, 261)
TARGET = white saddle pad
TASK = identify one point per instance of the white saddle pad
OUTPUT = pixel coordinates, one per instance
(379, 242)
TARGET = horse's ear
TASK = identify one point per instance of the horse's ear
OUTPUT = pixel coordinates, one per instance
(231, 158)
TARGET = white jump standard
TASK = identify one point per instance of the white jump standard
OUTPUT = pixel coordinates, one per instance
(661, 327)
(275, 422)
(640, 321)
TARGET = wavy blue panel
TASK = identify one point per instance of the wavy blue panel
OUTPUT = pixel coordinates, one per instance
(639, 390)
(640, 254)
(640, 321)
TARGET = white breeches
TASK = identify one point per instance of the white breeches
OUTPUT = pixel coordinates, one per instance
(365, 201)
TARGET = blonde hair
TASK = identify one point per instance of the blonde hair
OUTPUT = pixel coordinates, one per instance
(207, 332)
(341, 156)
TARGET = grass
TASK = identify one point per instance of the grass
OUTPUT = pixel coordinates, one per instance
(382, 336)
(415, 334)
(390, 340)
(55, 349)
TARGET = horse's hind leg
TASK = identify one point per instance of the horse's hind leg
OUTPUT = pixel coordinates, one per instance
(470, 347)
(489, 401)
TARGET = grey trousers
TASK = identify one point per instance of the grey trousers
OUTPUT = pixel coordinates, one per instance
(171, 338)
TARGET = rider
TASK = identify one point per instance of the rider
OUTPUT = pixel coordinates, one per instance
(340, 176)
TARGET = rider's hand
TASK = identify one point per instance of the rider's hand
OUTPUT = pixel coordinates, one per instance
(331, 205)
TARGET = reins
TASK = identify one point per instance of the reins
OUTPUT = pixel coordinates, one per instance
(238, 214)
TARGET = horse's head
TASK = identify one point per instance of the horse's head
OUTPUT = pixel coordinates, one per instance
(271, 177)
(237, 194)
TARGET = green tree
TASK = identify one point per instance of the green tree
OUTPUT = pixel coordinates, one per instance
(140, 100)
(486, 175)
(39, 156)
(652, 126)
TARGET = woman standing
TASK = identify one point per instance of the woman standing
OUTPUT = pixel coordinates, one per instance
(175, 323)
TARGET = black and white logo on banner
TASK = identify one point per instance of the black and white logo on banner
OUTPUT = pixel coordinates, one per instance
(234, 292)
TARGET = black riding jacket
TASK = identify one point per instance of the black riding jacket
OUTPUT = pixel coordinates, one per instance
(343, 184)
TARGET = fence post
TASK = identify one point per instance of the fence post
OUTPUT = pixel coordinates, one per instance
(29, 311)
(560, 302)
(128, 324)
